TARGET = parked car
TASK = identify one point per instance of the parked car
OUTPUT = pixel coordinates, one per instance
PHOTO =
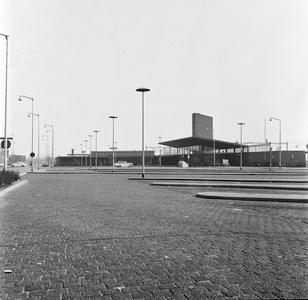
(123, 163)
(18, 164)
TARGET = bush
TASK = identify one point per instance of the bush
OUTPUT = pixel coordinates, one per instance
(8, 177)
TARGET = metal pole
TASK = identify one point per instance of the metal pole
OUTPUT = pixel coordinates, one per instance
(214, 147)
(279, 139)
(90, 151)
(52, 131)
(142, 134)
(32, 99)
(86, 153)
(96, 131)
(81, 156)
(279, 144)
(112, 144)
(159, 151)
(32, 137)
(143, 90)
(241, 156)
(5, 105)
(38, 145)
(113, 117)
(38, 132)
(53, 148)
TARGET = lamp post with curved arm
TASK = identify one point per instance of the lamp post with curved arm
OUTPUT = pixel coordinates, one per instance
(5, 105)
(52, 142)
(38, 134)
(21, 99)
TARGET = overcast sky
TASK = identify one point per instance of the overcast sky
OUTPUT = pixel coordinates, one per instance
(82, 61)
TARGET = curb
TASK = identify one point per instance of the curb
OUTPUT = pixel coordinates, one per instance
(269, 180)
(12, 187)
(255, 197)
(233, 185)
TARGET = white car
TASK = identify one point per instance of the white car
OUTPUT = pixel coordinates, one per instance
(18, 164)
(123, 163)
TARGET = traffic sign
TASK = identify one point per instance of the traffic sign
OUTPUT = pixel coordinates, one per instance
(8, 144)
(32, 154)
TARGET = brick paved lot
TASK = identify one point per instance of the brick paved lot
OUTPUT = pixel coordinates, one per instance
(105, 237)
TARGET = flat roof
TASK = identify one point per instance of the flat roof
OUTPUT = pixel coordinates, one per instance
(200, 141)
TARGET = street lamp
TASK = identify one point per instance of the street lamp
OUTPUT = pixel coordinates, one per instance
(52, 143)
(241, 156)
(113, 117)
(86, 152)
(214, 147)
(47, 146)
(272, 118)
(21, 99)
(96, 131)
(5, 105)
(81, 156)
(90, 151)
(46, 141)
(159, 151)
(142, 90)
(38, 134)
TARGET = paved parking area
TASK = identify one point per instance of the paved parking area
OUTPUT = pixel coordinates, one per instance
(106, 237)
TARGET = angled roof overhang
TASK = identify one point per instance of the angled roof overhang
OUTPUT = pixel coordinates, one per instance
(200, 141)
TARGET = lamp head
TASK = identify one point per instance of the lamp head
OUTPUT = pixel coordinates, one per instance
(270, 119)
(19, 99)
(29, 114)
(142, 90)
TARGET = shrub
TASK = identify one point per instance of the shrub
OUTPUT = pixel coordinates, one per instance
(8, 177)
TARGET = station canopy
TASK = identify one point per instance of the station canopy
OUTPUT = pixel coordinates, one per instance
(201, 141)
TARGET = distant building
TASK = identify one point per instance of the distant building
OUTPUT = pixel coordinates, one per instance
(200, 149)
(104, 158)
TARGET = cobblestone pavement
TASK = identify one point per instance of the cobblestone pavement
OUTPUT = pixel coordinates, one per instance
(106, 237)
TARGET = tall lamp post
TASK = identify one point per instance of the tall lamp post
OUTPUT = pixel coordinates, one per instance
(96, 131)
(52, 143)
(86, 152)
(241, 156)
(47, 147)
(5, 105)
(214, 147)
(90, 136)
(113, 117)
(272, 118)
(21, 99)
(81, 155)
(159, 151)
(38, 135)
(142, 90)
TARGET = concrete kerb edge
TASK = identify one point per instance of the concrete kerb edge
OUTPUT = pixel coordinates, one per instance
(250, 198)
(12, 187)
